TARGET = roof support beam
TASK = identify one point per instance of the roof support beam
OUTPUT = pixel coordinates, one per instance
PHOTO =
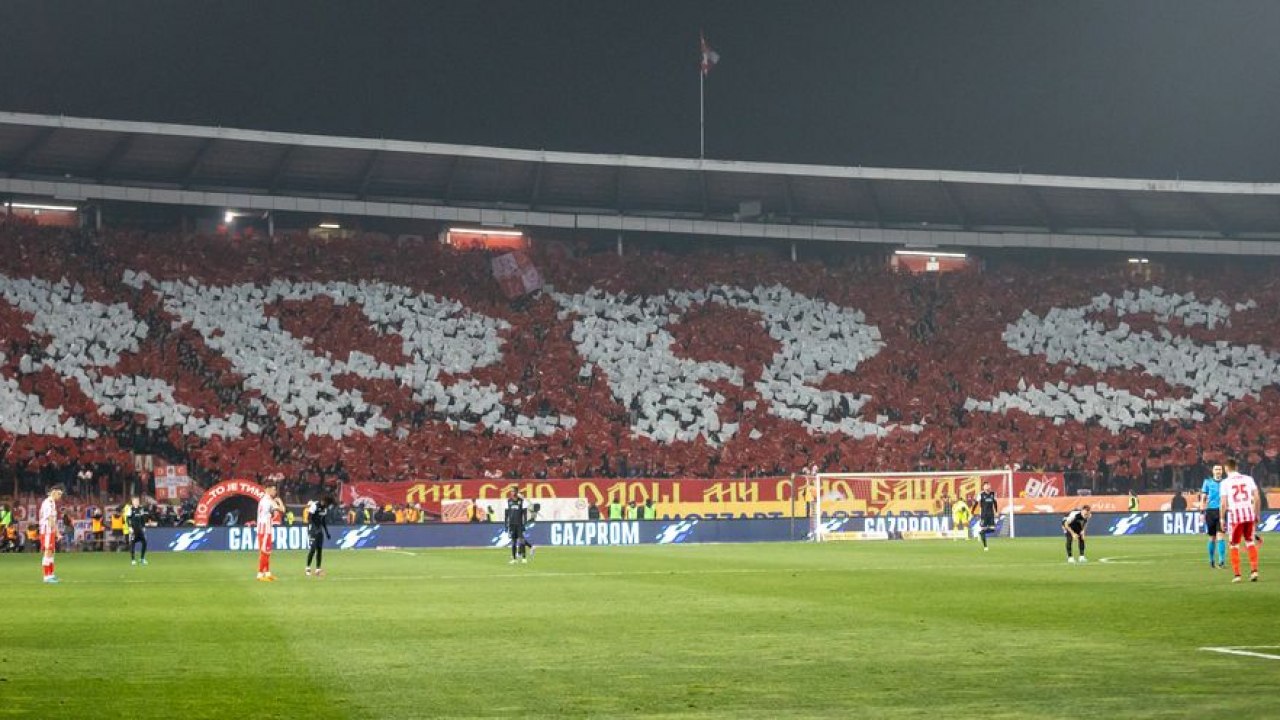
(877, 212)
(536, 191)
(32, 147)
(617, 189)
(117, 151)
(706, 200)
(789, 195)
(452, 174)
(1128, 213)
(1047, 215)
(370, 168)
(957, 205)
(282, 167)
(194, 166)
(1215, 219)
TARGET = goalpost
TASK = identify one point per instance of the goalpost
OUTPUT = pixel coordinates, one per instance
(907, 505)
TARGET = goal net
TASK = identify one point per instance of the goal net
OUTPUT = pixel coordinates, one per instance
(913, 505)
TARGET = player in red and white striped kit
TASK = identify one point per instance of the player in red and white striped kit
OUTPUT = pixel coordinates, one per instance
(268, 506)
(1241, 506)
(49, 532)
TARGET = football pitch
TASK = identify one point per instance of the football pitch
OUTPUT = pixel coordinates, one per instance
(922, 629)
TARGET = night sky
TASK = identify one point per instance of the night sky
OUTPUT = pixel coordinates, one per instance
(1159, 88)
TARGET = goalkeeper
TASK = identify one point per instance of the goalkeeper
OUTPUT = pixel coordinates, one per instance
(960, 518)
(315, 515)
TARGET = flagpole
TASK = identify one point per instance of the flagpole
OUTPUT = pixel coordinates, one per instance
(702, 114)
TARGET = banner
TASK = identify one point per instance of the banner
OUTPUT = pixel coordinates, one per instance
(1038, 484)
(516, 274)
(869, 496)
(431, 495)
(172, 483)
(222, 491)
(1154, 502)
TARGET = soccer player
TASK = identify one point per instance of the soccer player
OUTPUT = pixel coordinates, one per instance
(1211, 504)
(268, 506)
(987, 508)
(316, 517)
(49, 532)
(136, 517)
(1240, 498)
(1073, 526)
(516, 518)
(531, 518)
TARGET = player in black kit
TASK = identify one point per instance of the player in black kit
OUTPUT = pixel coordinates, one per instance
(318, 528)
(516, 520)
(137, 519)
(1073, 526)
(987, 507)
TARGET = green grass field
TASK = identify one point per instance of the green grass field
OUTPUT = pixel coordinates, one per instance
(873, 630)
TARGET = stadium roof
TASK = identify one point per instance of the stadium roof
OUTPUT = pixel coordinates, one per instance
(85, 159)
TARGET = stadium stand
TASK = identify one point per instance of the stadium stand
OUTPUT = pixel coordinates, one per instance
(370, 358)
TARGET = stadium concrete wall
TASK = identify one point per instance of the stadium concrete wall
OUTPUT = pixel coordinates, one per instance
(656, 532)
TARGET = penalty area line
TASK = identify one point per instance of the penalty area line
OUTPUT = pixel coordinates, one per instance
(1247, 651)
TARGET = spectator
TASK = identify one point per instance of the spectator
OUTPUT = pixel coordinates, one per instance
(117, 527)
(97, 531)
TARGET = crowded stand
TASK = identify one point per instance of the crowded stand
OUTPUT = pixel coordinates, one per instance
(372, 359)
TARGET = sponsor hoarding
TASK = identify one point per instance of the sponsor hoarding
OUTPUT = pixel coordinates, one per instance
(661, 532)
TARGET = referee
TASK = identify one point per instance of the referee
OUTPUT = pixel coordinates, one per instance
(516, 519)
(1211, 504)
(1073, 526)
(136, 515)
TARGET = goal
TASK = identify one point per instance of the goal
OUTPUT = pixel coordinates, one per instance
(908, 505)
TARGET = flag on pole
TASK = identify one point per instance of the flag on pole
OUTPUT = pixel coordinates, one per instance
(709, 57)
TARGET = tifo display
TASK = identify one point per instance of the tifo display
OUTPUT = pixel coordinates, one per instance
(404, 361)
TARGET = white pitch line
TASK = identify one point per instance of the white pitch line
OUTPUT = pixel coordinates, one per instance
(397, 551)
(525, 573)
(1242, 650)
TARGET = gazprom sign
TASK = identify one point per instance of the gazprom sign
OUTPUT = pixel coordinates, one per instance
(597, 533)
